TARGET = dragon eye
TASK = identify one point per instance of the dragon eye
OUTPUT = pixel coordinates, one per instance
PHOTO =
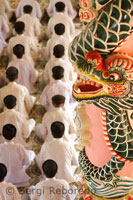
(115, 76)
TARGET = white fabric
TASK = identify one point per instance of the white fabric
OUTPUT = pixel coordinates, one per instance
(16, 159)
(25, 101)
(11, 116)
(2, 45)
(63, 153)
(57, 87)
(69, 74)
(68, 8)
(56, 115)
(27, 74)
(4, 189)
(28, 44)
(32, 27)
(5, 7)
(49, 188)
(36, 12)
(4, 27)
(68, 23)
(48, 51)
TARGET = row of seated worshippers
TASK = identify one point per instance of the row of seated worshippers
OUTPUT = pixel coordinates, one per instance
(57, 129)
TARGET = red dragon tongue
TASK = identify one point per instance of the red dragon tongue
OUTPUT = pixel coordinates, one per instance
(94, 55)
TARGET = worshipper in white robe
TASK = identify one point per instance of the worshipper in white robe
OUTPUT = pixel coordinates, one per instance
(57, 47)
(58, 114)
(6, 188)
(27, 74)
(5, 8)
(25, 101)
(16, 158)
(24, 40)
(32, 26)
(11, 116)
(36, 12)
(48, 188)
(62, 152)
(64, 6)
(58, 87)
(69, 74)
(4, 27)
(61, 24)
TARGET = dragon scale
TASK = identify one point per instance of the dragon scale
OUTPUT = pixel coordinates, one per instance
(105, 32)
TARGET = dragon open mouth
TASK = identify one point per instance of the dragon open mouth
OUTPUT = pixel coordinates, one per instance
(86, 86)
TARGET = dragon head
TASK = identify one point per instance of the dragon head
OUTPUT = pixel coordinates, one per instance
(98, 79)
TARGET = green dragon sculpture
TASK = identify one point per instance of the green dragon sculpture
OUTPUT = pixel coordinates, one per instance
(105, 79)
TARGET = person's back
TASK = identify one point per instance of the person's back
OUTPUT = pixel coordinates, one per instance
(15, 159)
(4, 194)
(4, 27)
(58, 87)
(62, 152)
(57, 47)
(21, 39)
(4, 187)
(5, 8)
(51, 184)
(27, 74)
(32, 27)
(24, 40)
(25, 101)
(36, 12)
(60, 20)
(69, 74)
(22, 95)
(57, 115)
(64, 6)
(19, 121)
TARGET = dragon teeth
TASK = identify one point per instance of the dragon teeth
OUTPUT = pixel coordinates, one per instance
(78, 90)
(97, 84)
(92, 83)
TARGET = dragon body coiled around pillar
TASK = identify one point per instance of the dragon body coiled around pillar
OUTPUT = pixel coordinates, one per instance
(105, 78)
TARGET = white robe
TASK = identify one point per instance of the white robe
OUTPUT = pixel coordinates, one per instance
(58, 87)
(68, 8)
(48, 51)
(28, 44)
(69, 74)
(63, 153)
(36, 12)
(4, 27)
(11, 116)
(56, 115)
(5, 191)
(68, 23)
(49, 188)
(5, 8)
(32, 27)
(27, 74)
(16, 159)
(25, 101)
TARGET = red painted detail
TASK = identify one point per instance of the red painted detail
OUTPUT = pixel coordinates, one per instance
(94, 55)
(105, 74)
